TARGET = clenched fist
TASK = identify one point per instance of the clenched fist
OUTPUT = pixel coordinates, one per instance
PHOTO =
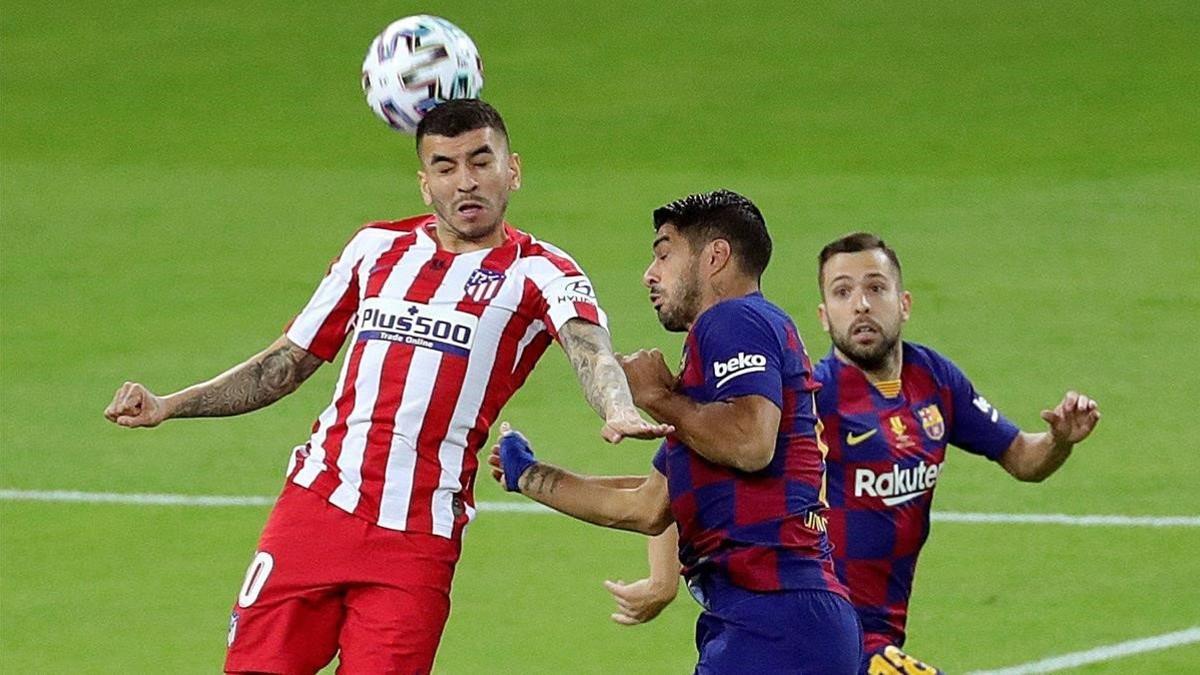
(135, 406)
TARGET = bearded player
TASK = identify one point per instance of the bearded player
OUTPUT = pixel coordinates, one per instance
(743, 475)
(889, 409)
(447, 315)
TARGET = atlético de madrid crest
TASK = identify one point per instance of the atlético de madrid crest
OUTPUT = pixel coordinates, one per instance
(483, 284)
(932, 422)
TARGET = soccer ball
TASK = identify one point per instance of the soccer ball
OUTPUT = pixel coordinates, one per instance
(416, 63)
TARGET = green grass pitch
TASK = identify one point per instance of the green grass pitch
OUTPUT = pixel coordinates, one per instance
(175, 176)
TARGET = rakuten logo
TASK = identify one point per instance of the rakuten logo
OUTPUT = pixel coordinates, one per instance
(741, 364)
(898, 485)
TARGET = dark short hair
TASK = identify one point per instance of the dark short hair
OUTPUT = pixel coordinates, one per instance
(721, 214)
(458, 116)
(854, 243)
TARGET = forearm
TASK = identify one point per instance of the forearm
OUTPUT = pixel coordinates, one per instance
(605, 387)
(258, 382)
(1035, 457)
(589, 348)
(590, 499)
(617, 482)
(662, 552)
(716, 431)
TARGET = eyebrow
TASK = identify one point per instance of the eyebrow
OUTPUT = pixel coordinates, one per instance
(660, 240)
(871, 275)
(484, 149)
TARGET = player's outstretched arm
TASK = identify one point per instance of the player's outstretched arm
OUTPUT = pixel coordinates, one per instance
(589, 348)
(642, 600)
(1034, 457)
(642, 509)
(261, 380)
(740, 432)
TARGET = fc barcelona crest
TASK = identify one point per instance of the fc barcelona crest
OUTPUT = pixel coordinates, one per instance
(483, 284)
(931, 420)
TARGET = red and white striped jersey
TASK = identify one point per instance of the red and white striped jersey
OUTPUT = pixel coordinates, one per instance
(440, 342)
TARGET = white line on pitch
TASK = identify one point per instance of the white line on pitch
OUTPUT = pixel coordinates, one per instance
(1065, 519)
(1105, 653)
(131, 498)
(530, 507)
(158, 499)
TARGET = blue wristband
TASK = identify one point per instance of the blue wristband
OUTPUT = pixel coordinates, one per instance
(515, 458)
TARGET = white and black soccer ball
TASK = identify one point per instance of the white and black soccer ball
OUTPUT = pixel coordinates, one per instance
(416, 63)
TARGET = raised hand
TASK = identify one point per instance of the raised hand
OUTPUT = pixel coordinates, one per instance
(629, 424)
(1073, 419)
(134, 406)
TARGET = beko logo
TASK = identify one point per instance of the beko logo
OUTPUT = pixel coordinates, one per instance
(739, 365)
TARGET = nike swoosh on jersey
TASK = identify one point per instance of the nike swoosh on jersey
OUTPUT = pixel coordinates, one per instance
(851, 439)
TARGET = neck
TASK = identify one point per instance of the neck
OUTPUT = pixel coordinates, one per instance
(890, 370)
(721, 290)
(453, 241)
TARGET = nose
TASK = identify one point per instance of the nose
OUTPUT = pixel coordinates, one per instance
(649, 278)
(467, 181)
(861, 304)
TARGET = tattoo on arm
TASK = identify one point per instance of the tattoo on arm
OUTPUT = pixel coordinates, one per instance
(590, 350)
(541, 479)
(259, 382)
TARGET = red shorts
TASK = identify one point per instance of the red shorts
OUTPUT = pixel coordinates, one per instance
(323, 580)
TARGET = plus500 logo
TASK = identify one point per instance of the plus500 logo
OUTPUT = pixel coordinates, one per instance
(420, 326)
(442, 328)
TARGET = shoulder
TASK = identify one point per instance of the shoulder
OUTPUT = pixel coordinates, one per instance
(826, 370)
(920, 354)
(747, 308)
(538, 253)
(942, 369)
(405, 225)
(387, 230)
(746, 317)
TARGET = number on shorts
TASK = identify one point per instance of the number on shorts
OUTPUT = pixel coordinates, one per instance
(256, 577)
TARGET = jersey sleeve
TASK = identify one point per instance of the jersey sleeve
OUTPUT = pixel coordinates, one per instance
(566, 292)
(741, 353)
(977, 427)
(321, 327)
(659, 462)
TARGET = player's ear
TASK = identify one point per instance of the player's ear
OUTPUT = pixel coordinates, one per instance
(514, 172)
(823, 317)
(905, 305)
(426, 196)
(717, 255)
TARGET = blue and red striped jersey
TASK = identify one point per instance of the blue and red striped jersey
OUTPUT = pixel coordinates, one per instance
(887, 442)
(764, 530)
